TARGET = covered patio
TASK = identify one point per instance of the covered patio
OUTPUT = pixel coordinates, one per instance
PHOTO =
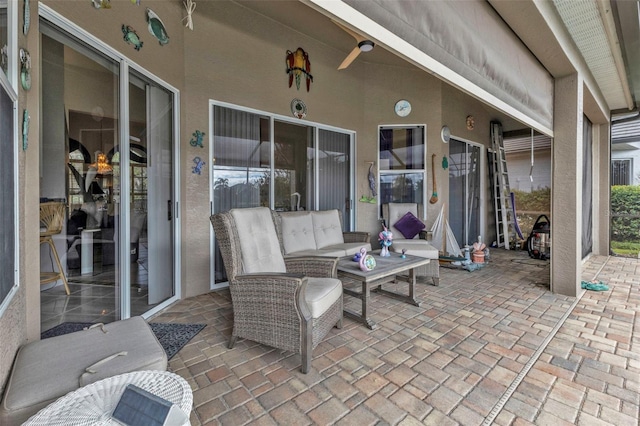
(493, 346)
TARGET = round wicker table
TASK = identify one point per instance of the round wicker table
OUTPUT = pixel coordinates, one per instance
(93, 404)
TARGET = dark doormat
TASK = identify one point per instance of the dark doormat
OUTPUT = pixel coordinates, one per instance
(171, 336)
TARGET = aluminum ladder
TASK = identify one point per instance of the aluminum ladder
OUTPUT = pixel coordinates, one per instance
(502, 191)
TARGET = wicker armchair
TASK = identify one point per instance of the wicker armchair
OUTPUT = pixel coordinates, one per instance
(289, 304)
(392, 213)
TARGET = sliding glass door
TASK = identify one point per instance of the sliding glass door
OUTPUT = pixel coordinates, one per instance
(109, 135)
(286, 165)
(464, 191)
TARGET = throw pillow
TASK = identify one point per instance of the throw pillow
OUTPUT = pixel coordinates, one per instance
(409, 225)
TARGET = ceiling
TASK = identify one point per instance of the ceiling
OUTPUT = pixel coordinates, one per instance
(301, 18)
(597, 27)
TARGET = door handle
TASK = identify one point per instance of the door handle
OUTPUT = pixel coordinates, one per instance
(168, 209)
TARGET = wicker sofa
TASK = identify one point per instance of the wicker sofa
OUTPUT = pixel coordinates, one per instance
(317, 233)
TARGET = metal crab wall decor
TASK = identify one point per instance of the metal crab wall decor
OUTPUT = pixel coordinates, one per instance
(298, 64)
(131, 37)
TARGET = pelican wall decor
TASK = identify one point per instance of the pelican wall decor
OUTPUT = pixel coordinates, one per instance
(371, 177)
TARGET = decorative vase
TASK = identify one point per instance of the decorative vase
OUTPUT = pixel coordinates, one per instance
(367, 262)
(386, 239)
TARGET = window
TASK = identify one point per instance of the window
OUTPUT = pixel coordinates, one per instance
(620, 172)
(8, 195)
(402, 164)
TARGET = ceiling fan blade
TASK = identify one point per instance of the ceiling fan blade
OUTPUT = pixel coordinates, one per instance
(350, 58)
(353, 34)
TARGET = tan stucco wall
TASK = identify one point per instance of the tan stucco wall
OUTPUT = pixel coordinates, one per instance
(244, 65)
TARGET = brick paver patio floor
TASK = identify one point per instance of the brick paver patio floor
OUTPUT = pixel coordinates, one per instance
(493, 346)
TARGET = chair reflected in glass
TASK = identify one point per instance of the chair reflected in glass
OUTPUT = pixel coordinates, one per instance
(51, 220)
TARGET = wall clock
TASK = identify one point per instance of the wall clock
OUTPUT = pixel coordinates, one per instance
(402, 108)
(445, 134)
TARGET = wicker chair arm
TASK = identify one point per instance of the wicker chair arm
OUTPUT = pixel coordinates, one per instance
(356, 237)
(265, 279)
(313, 266)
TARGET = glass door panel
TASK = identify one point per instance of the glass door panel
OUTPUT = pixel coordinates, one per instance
(241, 172)
(150, 165)
(294, 167)
(334, 173)
(464, 191)
(78, 131)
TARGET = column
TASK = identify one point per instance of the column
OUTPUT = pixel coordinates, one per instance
(566, 205)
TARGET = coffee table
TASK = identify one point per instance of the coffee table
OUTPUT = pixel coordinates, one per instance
(387, 270)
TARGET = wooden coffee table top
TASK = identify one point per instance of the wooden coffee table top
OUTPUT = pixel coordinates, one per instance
(385, 266)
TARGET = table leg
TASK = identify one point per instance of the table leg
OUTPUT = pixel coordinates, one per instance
(363, 317)
(411, 299)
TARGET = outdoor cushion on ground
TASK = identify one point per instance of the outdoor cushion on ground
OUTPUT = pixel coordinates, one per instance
(47, 369)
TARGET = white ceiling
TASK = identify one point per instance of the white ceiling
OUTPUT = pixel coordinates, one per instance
(586, 24)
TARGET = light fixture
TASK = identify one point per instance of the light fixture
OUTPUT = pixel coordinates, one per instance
(101, 165)
(366, 45)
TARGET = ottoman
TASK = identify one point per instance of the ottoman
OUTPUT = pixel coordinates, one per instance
(421, 248)
(47, 369)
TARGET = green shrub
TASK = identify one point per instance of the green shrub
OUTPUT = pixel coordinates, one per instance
(625, 213)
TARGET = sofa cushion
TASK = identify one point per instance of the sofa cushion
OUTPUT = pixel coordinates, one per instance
(258, 241)
(321, 294)
(325, 252)
(327, 228)
(415, 247)
(349, 249)
(409, 225)
(47, 369)
(297, 232)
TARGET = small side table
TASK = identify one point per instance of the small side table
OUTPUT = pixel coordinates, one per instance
(86, 261)
(93, 404)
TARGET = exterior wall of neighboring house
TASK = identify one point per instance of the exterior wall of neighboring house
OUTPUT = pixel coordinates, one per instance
(629, 154)
(519, 168)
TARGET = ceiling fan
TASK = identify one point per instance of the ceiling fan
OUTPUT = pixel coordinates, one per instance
(364, 45)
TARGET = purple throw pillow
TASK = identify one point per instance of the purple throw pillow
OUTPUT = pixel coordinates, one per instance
(409, 225)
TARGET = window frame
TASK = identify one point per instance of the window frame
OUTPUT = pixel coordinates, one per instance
(629, 161)
(13, 147)
(397, 171)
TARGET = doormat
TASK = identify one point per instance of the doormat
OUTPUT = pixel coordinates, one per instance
(171, 336)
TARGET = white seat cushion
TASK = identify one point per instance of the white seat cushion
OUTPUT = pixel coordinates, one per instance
(415, 247)
(325, 252)
(297, 232)
(321, 294)
(349, 249)
(327, 228)
(45, 370)
(258, 241)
